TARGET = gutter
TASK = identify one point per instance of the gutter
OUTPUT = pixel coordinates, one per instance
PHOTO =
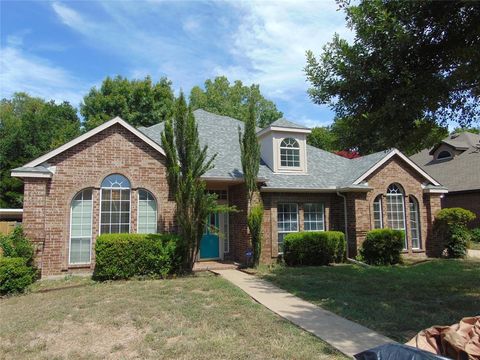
(346, 219)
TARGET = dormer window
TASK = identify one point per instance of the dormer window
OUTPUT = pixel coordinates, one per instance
(289, 153)
(444, 155)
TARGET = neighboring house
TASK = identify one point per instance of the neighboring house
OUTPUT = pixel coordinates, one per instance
(455, 162)
(113, 179)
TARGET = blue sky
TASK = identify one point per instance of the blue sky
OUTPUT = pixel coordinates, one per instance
(59, 50)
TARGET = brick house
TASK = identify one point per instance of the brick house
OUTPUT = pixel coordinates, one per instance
(113, 179)
(455, 161)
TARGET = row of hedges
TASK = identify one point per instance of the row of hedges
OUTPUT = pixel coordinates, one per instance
(16, 262)
(122, 256)
(314, 248)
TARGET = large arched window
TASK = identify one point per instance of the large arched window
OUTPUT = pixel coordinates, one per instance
(115, 205)
(396, 209)
(377, 213)
(81, 228)
(290, 153)
(414, 223)
(147, 212)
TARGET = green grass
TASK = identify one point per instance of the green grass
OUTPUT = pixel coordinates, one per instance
(397, 301)
(201, 317)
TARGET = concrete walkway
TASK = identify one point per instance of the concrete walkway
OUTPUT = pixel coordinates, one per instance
(474, 254)
(348, 337)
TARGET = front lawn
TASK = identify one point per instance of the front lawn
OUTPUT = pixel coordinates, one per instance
(201, 317)
(397, 301)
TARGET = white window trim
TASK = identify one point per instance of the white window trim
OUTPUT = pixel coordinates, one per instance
(287, 232)
(138, 209)
(298, 148)
(381, 211)
(450, 155)
(70, 237)
(323, 215)
(417, 220)
(402, 195)
(100, 206)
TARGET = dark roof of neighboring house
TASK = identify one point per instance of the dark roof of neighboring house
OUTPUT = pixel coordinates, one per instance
(325, 170)
(460, 173)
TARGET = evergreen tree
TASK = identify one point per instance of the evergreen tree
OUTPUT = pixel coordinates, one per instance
(186, 163)
(250, 157)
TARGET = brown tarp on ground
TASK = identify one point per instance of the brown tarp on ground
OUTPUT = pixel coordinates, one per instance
(459, 341)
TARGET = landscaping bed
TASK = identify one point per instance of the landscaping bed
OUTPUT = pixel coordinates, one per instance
(197, 317)
(397, 301)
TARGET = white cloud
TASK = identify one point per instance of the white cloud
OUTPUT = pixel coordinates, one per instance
(38, 77)
(273, 37)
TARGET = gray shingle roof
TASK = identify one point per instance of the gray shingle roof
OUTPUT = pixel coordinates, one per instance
(36, 169)
(325, 170)
(282, 122)
(462, 173)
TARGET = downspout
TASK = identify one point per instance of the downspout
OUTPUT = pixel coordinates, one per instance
(345, 217)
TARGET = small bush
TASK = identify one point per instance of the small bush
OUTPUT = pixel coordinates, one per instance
(382, 247)
(475, 235)
(15, 275)
(451, 230)
(17, 245)
(122, 256)
(314, 248)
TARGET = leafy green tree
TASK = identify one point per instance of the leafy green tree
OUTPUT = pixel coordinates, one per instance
(323, 138)
(138, 102)
(250, 157)
(473, 130)
(30, 127)
(220, 97)
(412, 67)
(186, 163)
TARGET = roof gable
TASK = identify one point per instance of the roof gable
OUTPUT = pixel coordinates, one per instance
(117, 120)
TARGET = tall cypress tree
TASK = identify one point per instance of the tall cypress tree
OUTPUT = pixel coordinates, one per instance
(250, 157)
(186, 163)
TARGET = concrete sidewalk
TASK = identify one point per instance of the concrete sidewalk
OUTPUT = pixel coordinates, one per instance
(348, 337)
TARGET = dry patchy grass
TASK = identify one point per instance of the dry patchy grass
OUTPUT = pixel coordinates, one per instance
(201, 317)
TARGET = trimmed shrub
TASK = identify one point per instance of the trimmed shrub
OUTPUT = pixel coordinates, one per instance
(122, 256)
(382, 247)
(451, 230)
(15, 275)
(475, 234)
(17, 245)
(314, 248)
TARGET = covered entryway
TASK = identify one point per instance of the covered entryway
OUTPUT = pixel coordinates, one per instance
(212, 244)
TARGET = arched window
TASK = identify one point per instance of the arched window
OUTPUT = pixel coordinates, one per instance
(147, 212)
(81, 228)
(290, 153)
(396, 209)
(115, 205)
(444, 155)
(377, 213)
(414, 223)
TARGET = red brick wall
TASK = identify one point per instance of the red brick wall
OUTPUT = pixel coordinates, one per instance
(396, 171)
(270, 201)
(466, 200)
(114, 150)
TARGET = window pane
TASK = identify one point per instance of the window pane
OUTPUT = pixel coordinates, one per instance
(287, 221)
(414, 223)
(396, 209)
(147, 212)
(313, 217)
(115, 209)
(81, 227)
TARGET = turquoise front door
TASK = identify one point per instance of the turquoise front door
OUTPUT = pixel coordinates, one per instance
(210, 242)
